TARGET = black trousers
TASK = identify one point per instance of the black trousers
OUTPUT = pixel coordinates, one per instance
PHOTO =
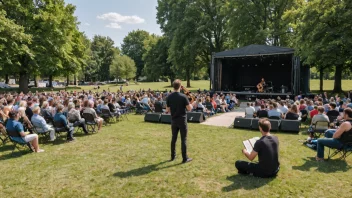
(247, 168)
(179, 126)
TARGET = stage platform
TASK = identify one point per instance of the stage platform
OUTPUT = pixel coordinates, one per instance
(253, 95)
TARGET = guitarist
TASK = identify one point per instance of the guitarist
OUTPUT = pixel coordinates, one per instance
(261, 85)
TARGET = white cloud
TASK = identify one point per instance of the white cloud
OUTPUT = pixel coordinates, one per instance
(118, 18)
(114, 26)
(86, 24)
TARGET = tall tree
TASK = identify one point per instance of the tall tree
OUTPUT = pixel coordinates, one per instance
(123, 67)
(204, 22)
(133, 46)
(259, 22)
(323, 35)
(103, 55)
(156, 59)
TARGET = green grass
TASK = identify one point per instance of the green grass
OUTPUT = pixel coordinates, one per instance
(129, 159)
(161, 86)
(329, 85)
(204, 84)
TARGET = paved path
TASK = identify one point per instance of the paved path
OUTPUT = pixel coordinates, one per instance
(224, 120)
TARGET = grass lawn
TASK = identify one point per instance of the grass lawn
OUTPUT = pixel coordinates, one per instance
(129, 159)
(204, 84)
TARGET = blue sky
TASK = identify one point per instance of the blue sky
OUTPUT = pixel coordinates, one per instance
(116, 18)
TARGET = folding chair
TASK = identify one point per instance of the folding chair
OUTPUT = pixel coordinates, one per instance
(39, 130)
(344, 151)
(59, 128)
(3, 138)
(90, 122)
(140, 109)
(108, 116)
(18, 142)
(319, 128)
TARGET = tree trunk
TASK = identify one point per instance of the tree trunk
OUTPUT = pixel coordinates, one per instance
(36, 80)
(75, 80)
(321, 75)
(338, 79)
(23, 82)
(188, 78)
(50, 80)
(7, 79)
(171, 81)
(67, 80)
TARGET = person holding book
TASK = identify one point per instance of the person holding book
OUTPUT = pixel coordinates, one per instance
(267, 150)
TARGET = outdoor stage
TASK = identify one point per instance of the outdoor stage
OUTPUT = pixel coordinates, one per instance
(240, 70)
(253, 95)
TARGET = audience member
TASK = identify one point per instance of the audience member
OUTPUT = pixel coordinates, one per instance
(267, 150)
(40, 124)
(292, 114)
(15, 130)
(336, 138)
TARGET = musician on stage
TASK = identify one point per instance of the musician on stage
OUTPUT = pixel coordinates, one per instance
(261, 85)
(177, 103)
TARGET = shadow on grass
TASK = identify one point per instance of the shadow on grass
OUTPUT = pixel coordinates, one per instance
(246, 182)
(333, 165)
(144, 170)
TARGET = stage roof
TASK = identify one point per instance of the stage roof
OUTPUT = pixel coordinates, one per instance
(254, 50)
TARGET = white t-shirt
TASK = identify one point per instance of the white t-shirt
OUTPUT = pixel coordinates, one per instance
(250, 110)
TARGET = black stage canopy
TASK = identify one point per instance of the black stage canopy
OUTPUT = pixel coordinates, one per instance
(242, 69)
(254, 50)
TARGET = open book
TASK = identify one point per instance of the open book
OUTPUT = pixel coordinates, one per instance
(249, 144)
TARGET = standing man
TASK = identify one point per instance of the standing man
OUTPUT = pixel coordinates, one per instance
(177, 103)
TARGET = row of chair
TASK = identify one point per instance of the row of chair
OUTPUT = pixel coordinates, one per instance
(276, 125)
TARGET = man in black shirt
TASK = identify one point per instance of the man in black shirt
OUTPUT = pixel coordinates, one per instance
(332, 111)
(262, 113)
(267, 149)
(177, 103)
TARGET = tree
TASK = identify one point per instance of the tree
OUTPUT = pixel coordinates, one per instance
(123, 66)
(198, 27)
(156, 60)
(52, 27)
(102, 55)
(323, 35)
(133, 46)
(259, 22)
(14, 42)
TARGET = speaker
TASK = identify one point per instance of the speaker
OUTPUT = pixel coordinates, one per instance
(197, 117)
(244, 123)
(274, 125)
(290, 125)
(152, 117)
(165, 118)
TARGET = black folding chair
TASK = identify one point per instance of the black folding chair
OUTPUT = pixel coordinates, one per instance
(18, 142)
(4, 138)
(90, 122)
(60, 128)
(108, 116)
(344, 151)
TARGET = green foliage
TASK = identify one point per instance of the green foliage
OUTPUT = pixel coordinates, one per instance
(123, 67)
(323, 35)
(259, 22)
(133, 46)
(102, 49)
(156, 59)
(196, 29)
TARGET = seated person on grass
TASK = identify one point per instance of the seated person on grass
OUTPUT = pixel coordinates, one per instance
(335, 138)
(267, 149)
(13, 125)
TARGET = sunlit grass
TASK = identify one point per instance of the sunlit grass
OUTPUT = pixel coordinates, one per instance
(129, 159)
